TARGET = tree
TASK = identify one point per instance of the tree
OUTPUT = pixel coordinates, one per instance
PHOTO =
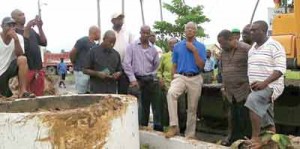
(184, 15)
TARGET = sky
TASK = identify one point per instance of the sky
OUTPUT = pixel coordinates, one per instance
(65, 21)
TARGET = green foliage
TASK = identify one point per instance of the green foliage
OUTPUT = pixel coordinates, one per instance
(184, 15)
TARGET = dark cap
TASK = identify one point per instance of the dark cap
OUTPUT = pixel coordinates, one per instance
(8, 20)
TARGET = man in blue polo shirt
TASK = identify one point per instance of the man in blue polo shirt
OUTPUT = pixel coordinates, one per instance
(188, 59)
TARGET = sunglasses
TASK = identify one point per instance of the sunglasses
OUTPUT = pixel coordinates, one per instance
(10, 25)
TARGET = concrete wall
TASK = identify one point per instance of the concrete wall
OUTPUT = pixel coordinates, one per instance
(31, 129)
(156, 140)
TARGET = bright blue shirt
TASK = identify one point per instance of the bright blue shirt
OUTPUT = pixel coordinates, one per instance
(184, 58)
(62, 68)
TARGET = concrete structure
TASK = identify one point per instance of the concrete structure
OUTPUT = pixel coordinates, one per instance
(81, 121)
(156, 140)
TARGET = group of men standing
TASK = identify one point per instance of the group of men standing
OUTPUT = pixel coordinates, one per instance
(252, 71)
(21, 55)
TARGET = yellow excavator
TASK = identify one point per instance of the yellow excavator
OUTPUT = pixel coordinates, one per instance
(286, 30)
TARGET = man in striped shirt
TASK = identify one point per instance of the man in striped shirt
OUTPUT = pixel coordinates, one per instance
(266, 66)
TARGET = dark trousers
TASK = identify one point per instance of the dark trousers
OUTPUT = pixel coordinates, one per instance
(123, 84)
(240, 121)
(148, 93)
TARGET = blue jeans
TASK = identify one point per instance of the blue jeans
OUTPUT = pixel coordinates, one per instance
(82, 84)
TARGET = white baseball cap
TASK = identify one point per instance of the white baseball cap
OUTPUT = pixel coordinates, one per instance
(116, 15)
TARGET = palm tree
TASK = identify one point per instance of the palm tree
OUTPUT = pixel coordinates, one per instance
(183, 1)
(123, 7)
(98, 14)
(142, 10)
(161, 13)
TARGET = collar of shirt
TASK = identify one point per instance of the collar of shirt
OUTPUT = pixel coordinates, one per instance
(140, 43)
(185, 41)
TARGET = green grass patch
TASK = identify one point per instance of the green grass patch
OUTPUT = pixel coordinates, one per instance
(295, 75)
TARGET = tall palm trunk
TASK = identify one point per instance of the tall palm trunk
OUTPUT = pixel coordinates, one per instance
(98, 16)
(161, 13)
(123, 7)
(142, 10)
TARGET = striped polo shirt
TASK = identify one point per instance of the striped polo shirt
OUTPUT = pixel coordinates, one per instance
(262, 61)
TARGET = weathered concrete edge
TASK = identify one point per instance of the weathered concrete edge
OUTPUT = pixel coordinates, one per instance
(156, 140)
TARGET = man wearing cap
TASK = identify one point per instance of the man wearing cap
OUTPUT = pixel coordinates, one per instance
(236, 33)
(36, 75)
(78, 56)
(13, 63)
(123, 39)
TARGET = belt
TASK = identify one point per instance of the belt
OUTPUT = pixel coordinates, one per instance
(189, 74)
(207, 71)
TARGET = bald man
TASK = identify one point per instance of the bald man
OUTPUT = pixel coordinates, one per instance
(103, 65)
(246, 36)
(32, 41)
(78, 56)
(188, 59)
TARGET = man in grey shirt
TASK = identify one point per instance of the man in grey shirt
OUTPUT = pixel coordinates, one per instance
(78, 55)
(140, 64)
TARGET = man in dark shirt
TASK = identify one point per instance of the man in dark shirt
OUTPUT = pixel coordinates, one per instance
(103, 64)
(32, 41)
(246, 36)
(235, 80)
(78, 56)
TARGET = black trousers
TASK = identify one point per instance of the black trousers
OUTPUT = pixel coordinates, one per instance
(148, 94)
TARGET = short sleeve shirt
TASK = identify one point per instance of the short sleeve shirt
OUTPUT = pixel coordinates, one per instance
(100, 59)
(184, 58)
(83, 46)
(32, 49)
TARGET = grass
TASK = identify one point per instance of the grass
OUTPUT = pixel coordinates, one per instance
(295, 75)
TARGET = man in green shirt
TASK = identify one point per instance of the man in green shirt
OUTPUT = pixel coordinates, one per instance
(164, 74)
(165, 66)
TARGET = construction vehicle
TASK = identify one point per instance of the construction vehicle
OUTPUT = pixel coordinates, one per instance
(286, 30)
(52, 59)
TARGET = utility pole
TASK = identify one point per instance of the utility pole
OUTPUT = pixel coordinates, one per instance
(253, 14)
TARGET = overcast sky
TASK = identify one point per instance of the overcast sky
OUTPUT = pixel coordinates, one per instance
(67, 20)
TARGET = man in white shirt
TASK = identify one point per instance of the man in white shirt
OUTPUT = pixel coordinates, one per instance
(13, 62)
(152, 39)
(266, 66)
(123, 39)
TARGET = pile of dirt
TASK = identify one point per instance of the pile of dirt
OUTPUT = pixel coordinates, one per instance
(84, 127)
(50, 89)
